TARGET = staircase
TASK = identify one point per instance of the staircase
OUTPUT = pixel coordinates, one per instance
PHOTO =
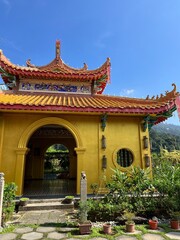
(44, 204)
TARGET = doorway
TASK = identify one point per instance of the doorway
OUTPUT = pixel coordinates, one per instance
(51, 163)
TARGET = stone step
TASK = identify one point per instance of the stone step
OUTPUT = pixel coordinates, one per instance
(44, 200)
(45, 204)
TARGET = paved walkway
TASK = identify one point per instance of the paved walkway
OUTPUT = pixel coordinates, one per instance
(50, 226)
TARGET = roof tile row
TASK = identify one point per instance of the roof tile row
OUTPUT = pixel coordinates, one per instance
(103, 102)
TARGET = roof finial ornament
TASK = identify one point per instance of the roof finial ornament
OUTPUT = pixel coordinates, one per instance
(85, 67)
(174, 85)
(57, 49)
(29, 64)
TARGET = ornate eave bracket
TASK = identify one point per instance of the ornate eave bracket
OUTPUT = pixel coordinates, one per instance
(149, 121)
(98, 83)
(10, 78)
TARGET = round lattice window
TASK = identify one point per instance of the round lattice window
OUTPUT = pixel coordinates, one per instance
(124, 157)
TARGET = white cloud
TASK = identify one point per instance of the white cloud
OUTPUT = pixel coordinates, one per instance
(127, 92)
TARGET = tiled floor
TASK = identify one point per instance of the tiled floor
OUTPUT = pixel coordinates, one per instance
(49, 188)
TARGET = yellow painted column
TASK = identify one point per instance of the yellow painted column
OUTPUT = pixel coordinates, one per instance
(102, 137)
(1, 138)
(145, 148)
(80, 166)
(19, 170)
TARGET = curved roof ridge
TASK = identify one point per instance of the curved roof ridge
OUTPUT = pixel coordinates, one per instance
(58, 65)
(168, 95)
(7, 62)
(57, 70)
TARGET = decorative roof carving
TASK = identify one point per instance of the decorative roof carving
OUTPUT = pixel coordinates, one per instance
(29, 64)
(168, 95)
(57, 70)
(157, 108)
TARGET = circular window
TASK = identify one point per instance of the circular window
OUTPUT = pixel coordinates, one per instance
(124, 157)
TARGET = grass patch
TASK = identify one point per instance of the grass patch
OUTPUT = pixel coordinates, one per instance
(10, 228)
(95, 232)
(143, 228)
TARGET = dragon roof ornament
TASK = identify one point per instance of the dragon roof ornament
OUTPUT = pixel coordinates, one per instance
(168, 95)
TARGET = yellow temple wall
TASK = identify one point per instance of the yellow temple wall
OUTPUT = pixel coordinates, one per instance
(120, 132)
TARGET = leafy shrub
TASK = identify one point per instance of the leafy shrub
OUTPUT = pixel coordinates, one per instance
(130, 189)
(136, 191)
(166, 174)
(83, 211)
(127, 191)
(8, 201)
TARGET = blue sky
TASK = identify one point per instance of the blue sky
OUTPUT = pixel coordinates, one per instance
(141, 37)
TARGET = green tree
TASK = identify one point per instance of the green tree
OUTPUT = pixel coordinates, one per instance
(166, 136)
(166, 178)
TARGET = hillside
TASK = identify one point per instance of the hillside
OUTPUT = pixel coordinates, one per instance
(166, 136)
(168, 128)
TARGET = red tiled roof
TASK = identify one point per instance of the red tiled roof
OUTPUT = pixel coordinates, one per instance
(84, 103)
(57, 70)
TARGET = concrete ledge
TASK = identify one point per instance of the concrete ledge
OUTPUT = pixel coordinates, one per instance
(45, 206)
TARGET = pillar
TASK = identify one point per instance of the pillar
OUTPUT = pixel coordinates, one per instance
(80, 166)
(1, 197)
(19, 170)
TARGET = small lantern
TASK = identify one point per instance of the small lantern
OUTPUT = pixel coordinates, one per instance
(103, 121)
(103, 142)
(146, 142)
(104, 162)
(147, 160)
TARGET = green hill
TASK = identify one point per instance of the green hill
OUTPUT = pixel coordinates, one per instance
(168, 128)
(166, 136)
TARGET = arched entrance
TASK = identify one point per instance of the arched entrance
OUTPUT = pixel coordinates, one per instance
(24, 151)
(51, 163)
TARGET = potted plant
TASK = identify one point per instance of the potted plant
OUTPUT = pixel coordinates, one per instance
(153, 223)
(174, 222)
(68, 200)
(107, 228)
(23, 201)
(84, 224)
(130, 224)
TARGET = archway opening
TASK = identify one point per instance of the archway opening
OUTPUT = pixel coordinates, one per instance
(51, 163)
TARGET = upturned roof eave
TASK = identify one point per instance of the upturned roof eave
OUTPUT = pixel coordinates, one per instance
(56, 69)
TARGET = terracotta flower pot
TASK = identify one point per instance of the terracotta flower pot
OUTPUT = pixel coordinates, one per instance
(130, 227)
(174, 224)
(153, 224)
(107, 228)
(85, 228)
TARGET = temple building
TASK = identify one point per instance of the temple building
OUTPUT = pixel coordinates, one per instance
(59, 104)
